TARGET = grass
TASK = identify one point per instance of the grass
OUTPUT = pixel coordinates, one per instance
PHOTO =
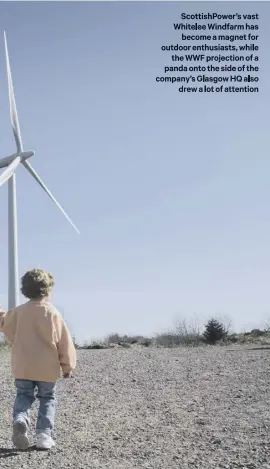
(182, 335)
(176, 339)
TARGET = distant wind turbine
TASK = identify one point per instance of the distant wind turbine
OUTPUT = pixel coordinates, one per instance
(11, 163)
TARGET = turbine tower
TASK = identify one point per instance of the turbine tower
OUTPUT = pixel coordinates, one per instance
(11, 163)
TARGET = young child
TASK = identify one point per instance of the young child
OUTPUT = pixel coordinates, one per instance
(41, 347)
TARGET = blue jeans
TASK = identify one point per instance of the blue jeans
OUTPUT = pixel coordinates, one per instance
(27, 391)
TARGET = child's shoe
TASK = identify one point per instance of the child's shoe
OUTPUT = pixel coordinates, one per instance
(44, 441)
(19, 437)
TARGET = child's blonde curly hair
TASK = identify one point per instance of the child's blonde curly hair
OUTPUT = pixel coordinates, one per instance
(37, 283)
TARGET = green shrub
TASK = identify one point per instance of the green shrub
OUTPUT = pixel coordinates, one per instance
(214, 331)
(146, 342)
(95, 346)
(116, 338)
(233, 338)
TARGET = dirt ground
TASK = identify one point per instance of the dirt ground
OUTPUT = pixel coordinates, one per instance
(200, 408)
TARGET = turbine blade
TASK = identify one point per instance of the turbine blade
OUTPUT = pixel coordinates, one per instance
(9, 171)
(12, 103)
(33, 173)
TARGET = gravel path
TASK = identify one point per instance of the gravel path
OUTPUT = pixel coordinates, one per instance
(204, 408)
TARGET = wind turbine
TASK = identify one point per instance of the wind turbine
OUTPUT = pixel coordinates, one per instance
(11, 163)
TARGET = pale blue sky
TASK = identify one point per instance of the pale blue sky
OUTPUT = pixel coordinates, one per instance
(171, 192)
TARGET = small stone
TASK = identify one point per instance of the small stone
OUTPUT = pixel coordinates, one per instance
(216, 441)
(200, 422)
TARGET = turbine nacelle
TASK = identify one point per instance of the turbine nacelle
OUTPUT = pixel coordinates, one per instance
(8, 159)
